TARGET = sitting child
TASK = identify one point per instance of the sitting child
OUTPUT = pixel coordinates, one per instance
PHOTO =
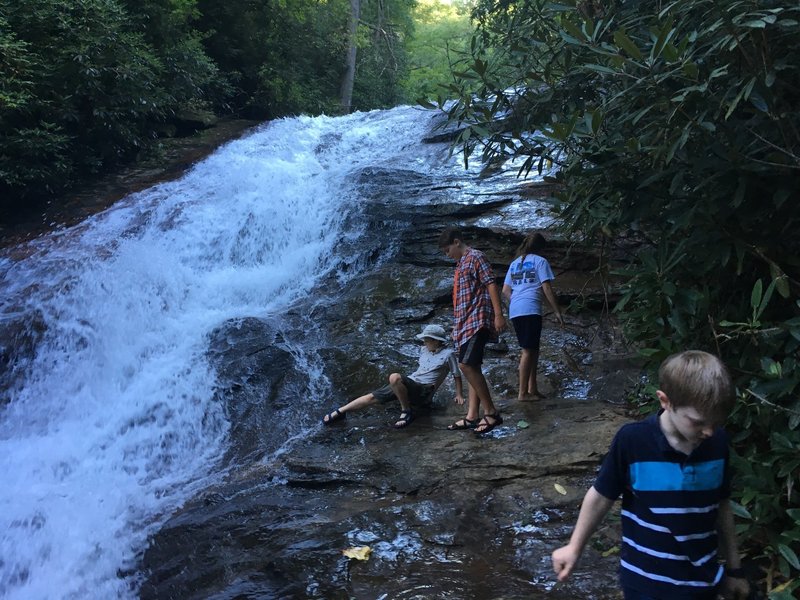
(435, 360)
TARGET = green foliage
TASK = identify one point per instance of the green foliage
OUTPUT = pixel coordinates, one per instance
(189, 77)
(288, 58)
(88, 84)
(83, 85)
(674, 128)
(439, 40)
(279, 58)
(382, 55)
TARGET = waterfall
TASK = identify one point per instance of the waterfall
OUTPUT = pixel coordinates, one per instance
(109, 421)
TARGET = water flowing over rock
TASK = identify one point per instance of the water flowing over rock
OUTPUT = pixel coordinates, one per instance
(180, 349)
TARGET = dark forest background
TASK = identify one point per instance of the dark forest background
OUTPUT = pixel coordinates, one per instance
(87, 85)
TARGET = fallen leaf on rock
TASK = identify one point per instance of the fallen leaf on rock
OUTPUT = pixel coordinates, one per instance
(612, 550)
(560, 489)
(522, 424)
(358, 552)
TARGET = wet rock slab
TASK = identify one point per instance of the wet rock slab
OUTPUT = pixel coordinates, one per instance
(446, 514)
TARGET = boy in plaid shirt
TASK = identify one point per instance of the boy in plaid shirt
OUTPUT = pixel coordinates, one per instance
(478, 317)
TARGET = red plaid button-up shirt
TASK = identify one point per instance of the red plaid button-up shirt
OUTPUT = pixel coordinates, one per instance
(472, 304)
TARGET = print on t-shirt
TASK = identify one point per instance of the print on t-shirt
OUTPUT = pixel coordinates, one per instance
(525, 273)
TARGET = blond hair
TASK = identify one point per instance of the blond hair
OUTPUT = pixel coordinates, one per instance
(700, 380)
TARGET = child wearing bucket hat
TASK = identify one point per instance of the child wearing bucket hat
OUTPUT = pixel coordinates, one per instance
(436, 359)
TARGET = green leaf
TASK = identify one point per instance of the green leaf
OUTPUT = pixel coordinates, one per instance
(755, 24)
(740, 511)
(647, 352)
(596, 121)
(576, 32)
(755, 296)
(641, 113)
(569, 39)
(758, 101)
(743, 93)
(522, 424)
(622, 40)
(664, 36)
(600, 69)
(780, 441)
(789, 555)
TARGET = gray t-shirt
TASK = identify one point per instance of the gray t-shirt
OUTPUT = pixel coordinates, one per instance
(433, 366)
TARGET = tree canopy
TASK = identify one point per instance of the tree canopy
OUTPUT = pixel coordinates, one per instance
(673, 129)
(88, 84)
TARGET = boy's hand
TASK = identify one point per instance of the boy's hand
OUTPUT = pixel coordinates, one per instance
(499, 323)
(459, 399)
(735, 588)
(564, 560)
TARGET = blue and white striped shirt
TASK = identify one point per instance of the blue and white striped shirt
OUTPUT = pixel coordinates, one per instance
(669, 509)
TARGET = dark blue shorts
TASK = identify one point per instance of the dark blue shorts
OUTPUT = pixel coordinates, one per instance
(529, 331)
(471, 353)
(631, 594)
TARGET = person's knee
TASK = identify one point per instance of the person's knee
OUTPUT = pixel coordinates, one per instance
(395, 378)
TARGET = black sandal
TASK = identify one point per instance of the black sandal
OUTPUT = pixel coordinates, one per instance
(334, 416)
(405, 419)
(498, 420)
(464, 423)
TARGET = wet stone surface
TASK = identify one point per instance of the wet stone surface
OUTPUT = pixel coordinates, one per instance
(446, 514)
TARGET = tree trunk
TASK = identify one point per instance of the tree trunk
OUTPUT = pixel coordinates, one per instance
(350, 61)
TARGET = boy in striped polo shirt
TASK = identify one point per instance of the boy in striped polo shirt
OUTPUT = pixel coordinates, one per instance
(672, 471)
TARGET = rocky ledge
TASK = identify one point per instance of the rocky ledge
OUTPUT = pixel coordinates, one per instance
(444, 514)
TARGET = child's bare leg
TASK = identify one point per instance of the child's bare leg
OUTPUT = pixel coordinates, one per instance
(359, 403)
(479, 393)
(524, 374)
(528, 364)
(401, 391)
(356, 404)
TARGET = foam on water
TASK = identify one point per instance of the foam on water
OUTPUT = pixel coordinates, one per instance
(112, 422)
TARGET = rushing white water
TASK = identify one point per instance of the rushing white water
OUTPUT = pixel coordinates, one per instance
(112, 421)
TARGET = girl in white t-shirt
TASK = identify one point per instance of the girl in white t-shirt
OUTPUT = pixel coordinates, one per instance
(528, 276)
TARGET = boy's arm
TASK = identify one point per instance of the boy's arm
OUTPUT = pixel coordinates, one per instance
(497, 305)
(456, 373)
(735, 588)
(459, 389)
(594, 508)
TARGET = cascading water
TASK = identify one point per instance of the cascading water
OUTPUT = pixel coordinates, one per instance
(109, 419)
